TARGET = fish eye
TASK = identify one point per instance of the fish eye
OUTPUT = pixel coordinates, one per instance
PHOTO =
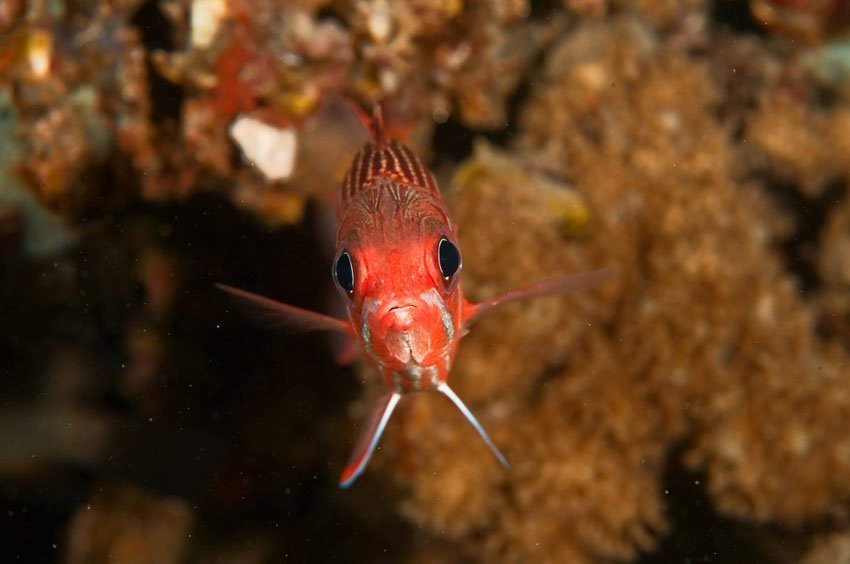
(449, 257)
(344, 272)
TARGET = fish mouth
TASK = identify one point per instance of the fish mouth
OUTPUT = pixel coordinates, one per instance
(403, 330)
(401, 317)
(402, 334)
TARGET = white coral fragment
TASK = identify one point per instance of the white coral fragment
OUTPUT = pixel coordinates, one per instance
(272, 150)
(39, 48)
(206, 18)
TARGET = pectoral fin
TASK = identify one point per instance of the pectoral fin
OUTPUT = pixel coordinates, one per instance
(344, 349)
(369, 437)
(449, 393)
(552, 286)
(276, 315)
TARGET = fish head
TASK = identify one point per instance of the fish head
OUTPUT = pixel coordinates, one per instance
(398, 269)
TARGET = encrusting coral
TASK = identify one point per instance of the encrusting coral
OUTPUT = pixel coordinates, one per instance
(833, 269)
(701, 339)
(160, 99)
(799, 144)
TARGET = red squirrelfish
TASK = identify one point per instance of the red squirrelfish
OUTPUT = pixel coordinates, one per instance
(398, 267)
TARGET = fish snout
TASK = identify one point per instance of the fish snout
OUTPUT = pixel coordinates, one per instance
(405, 331)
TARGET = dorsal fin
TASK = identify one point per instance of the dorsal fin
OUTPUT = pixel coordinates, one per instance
(326, 143)
(378, 125)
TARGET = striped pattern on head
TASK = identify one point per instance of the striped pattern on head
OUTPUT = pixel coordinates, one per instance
(392, 160)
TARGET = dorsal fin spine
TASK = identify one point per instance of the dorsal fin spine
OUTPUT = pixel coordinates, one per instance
(378, 125)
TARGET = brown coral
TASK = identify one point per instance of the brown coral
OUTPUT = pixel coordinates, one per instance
(701, 336)
(829, 550)
(125, 524)
(802, 145)
(834, 271)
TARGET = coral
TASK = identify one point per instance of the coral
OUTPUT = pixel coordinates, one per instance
(125, 524)
(26, 227)
(829, 550)
(701, 337)
(810, 20)
(834, 271)
(76, 92)
(665, 15)
(87, 93)
(801, 145)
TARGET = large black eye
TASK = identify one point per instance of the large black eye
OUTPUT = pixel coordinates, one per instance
(449, 258)
(344, 272)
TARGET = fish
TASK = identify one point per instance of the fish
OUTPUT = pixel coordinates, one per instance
(398, 270)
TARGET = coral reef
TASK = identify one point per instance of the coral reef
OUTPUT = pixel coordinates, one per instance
(702, 337)
(217, 61)
(154, 147)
